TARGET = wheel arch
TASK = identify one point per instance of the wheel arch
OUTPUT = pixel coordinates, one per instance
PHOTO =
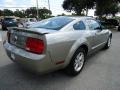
(85, 47)
(110, 35)
(72, 52)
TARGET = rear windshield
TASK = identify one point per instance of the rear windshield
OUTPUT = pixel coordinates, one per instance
(55, 23)
(9, 20)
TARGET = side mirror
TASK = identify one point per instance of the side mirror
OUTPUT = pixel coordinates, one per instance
(98, 28)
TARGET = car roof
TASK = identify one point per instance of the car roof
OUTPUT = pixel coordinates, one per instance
(81, 17)
(78, 17)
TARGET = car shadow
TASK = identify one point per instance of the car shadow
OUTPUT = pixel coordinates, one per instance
(12, 76)
(94, 57)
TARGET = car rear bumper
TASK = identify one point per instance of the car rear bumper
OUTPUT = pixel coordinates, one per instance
(33, 62)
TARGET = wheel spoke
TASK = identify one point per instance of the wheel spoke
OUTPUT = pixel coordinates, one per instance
(79, 61)
(109, 42)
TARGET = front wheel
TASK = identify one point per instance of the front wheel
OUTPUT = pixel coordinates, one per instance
(108, 44)
(76, 63)
(118, 28)
(4, 28)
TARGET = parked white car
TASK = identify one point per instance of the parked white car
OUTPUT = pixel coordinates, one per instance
(28, 21)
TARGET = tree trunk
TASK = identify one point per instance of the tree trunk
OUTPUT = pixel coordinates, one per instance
(113, 15)
(86, 11)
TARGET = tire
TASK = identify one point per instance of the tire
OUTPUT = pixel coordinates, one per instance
(4, 28)
(118, 28)
(108, 44)
(76, 64)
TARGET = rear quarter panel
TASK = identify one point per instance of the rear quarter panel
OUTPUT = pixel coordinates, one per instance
(62, 45)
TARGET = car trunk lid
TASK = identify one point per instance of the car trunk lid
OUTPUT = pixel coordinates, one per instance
(28, 39)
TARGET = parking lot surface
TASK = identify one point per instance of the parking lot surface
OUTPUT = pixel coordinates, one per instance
(0, 37)
(101, 72)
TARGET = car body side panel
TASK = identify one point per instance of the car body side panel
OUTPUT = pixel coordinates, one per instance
(62, 45)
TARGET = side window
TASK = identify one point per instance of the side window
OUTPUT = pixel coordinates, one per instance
(93, 25)
(79, 26)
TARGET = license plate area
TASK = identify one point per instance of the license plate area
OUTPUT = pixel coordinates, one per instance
(17, 39)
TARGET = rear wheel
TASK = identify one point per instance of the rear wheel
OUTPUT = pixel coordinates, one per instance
(76, 63)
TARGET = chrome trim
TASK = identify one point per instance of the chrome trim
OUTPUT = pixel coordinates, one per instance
(98, 45)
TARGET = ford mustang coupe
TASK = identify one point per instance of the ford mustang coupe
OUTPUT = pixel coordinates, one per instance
(56, 43)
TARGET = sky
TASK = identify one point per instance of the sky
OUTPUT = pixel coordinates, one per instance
(55, 5)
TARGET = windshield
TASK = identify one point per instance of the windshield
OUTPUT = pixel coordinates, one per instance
(55, 23)
(9, 19)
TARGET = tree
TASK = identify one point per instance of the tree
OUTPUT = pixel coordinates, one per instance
(107, 7)
(88, 4)
(7, 12)
(43, 12)
(1, 13)
(113, 9)
(31, 12)
(78, 5)
(103, 7)
(19, 13)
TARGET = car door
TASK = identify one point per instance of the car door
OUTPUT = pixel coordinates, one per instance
(97, 33)
(105, 32)
(81, 27)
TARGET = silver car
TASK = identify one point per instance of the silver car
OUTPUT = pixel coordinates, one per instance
(57, 43)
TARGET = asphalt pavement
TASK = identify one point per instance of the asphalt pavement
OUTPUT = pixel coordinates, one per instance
(101, 72)
(4, 60)
(0, 37)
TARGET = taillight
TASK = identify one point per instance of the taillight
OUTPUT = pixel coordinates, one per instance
(34, 45)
